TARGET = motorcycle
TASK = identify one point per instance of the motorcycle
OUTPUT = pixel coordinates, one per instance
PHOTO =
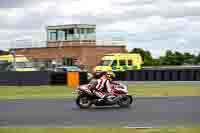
(86, 98)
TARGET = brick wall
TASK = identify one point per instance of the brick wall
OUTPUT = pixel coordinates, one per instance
(70, 43)
(89, 55)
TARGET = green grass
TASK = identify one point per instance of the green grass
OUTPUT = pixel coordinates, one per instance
(164, 89)
(21, 92)
(18, 92)
(100, 130)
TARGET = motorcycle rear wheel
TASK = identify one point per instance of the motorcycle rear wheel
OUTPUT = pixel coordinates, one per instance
(83, 101)
(126, 101)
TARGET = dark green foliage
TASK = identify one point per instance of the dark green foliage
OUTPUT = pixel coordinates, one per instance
(170, 58)
(146, 56)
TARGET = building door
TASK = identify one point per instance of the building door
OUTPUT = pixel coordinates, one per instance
(68, 61)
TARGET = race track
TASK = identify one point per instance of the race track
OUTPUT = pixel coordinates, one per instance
(146, 112)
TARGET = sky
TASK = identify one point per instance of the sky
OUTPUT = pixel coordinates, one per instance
(155, 25)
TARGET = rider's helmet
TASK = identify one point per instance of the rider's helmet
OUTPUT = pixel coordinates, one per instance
(111, 75)
(99, 74)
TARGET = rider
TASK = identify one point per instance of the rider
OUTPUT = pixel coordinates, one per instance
(102, 86)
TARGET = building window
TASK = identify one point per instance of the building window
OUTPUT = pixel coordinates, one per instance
(82, 30)
(71, 31)
(66, 36)
(52, 35)
(61, 35)
(82, 33)
(76, 33)
(90, 31)
(70, 34)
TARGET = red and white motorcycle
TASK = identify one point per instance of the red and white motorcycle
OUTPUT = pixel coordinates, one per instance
(86, 98)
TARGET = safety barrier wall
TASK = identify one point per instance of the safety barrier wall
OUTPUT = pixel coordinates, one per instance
(24, 78)
(71, 79)
(159, 75)
(57, 78)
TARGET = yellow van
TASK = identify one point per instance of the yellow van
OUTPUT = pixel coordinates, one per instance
(120, 62)
(21, 63)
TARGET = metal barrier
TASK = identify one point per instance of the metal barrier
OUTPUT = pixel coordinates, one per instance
(62, 78)
(159, 75)
(58, 78)
(24, 78)
(42, 78)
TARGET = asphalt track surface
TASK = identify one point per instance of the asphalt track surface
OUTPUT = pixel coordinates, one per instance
(145, 112)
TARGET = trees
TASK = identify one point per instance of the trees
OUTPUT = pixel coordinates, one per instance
(178, 58)
(170, 58)
(167, 59)
(146, 56)
(189, 58)
(197, 59)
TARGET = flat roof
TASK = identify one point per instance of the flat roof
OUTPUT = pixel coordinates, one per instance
(70, 46)
(53, 27)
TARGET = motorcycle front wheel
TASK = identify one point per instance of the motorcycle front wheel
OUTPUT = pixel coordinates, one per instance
(83, 101)
(125, 101)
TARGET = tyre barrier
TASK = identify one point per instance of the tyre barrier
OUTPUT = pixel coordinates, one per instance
(159, 75)
(71, 79)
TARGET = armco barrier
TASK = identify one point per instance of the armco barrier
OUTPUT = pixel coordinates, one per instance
(62, 78)
(9, 78)
(69, 78)
(58, 78)
(159, 75)
(24, 78)
(42, 78)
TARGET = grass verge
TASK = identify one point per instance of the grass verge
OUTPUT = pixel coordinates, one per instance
(100, 130)
(180, 89)
(21, 92)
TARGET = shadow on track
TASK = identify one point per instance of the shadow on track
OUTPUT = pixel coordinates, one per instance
(104, 108)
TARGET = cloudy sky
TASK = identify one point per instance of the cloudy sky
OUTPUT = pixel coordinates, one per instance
(156, 25)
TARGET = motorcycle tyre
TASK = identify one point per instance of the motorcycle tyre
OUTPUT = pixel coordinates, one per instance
(125, 105)
(80, 105)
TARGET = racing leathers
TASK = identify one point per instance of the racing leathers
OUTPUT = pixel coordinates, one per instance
(102, 88)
